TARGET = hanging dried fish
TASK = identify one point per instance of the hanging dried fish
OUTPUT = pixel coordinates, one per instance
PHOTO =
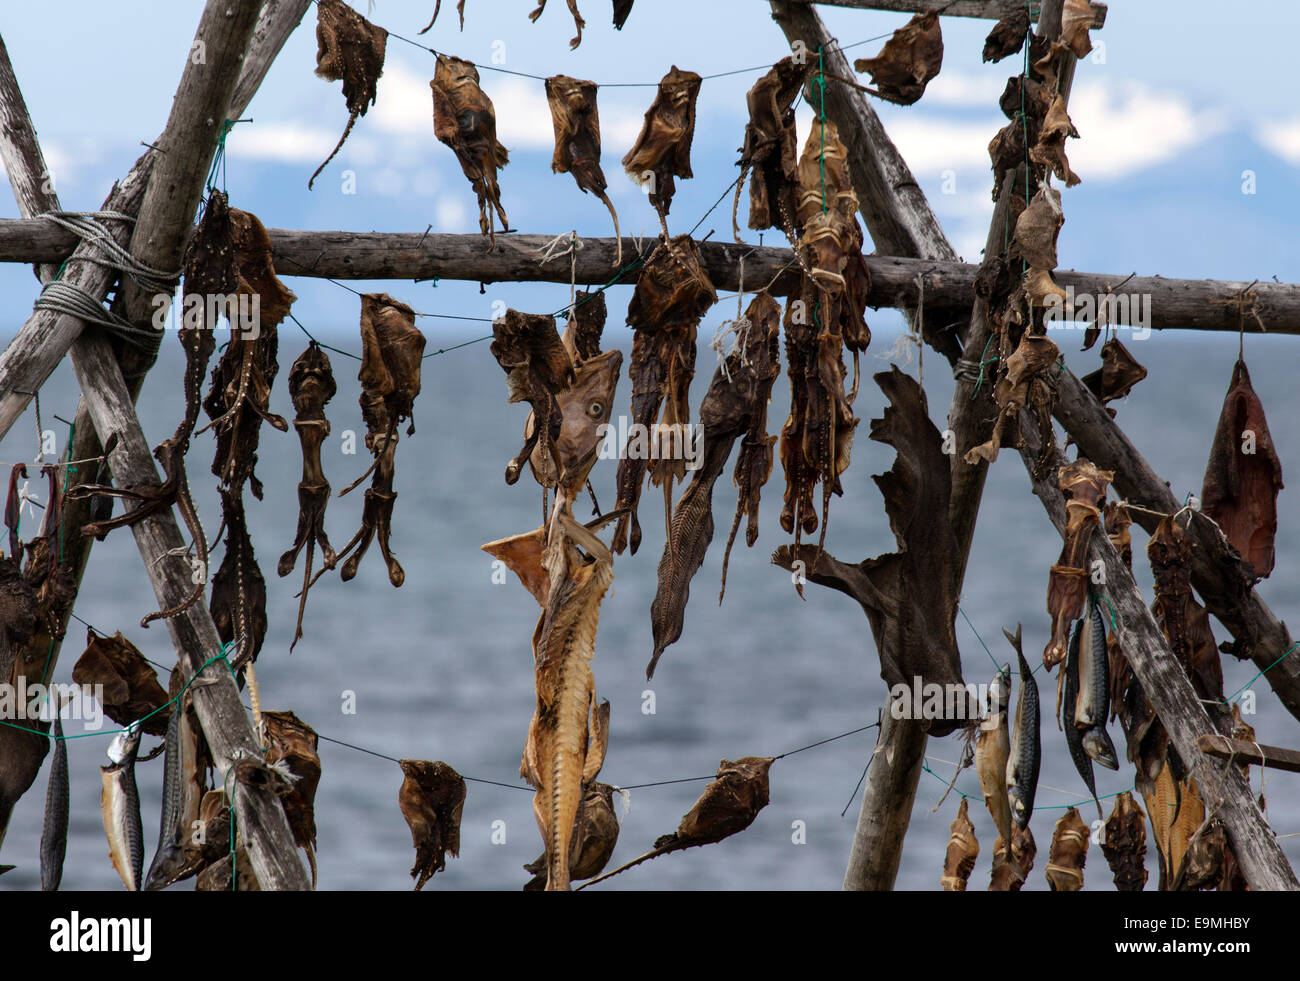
(1204, 864)
(1092, 708)
(1244, 475)
(293, 743)
(464, 119)
(672, 293)
(48, 582)
(1012, 865)
(1118, 373)
(54, 831)
(1124, 843)
(537, 366)
(1068, 702)
(662, 151)
(1026, 748)
(1084, 487)
(963, 849)
(350, 48)
(992, 750)
(1024, 384)
(1176, 812)
(178, 855)
(577, 140)
(595, 834)
(908, 61)
(1037, 229)
(238, 601)
(771, 150)
(735, 402)
(728, 806)
(578, 22)
(1182, 619)
(311, 386)
(130, 685)
(1049, 151)
(391, 352)
(437, 7)
(622, 9)
(119, 802)
(1007, 36)
(1068, 854)
(1077, 18)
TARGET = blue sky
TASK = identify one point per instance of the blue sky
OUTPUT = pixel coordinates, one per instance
(1170, 119)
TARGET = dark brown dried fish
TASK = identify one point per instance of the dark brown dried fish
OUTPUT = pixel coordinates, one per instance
(1244, 475)
(963, 849)
(1068, 853)
(1007, 36)
(130, 686)
(728, 806)
(1011, 867)
(578, 22)
(663, 149)
(463, 119)
(622, 8)
(1184, 621)
(771, 151)
(672, 293)
(1118, 373)
(1124, 843)
(1049, 151)
(311, 386)
(908, 61)
(431, 797)
(350, 48)
(595, 835)
(292, 741)
(577, 140)
(735, 406)
(1084, 487)
(460, 10)
(537, 366)
(391, 352)
(1023, 384)
(238, 601)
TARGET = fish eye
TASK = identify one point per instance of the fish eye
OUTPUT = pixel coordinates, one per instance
(596, 410)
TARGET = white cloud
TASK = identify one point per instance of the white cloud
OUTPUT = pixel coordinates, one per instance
(523, 114)
(930, 143)
(282, 142)
(958, 89)
(1131, 127)
(1283, 138)
(403, 102)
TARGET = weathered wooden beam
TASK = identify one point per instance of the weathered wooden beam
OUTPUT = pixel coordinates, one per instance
(1240, 751)
(887, 801)
(982, 9)
(1149, 302)
(1171, 695)
(45, 338)
(226, 724)
(1217, 572)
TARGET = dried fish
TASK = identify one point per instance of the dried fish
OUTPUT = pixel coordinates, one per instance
(1007, 36)
(622, 8)
(537, 366)
(311, 386)
(120, 807)
(1012, 864)
(1124, 843)
(1118, 373)
(1068, 854)
(1176, 812)
(464, 119)
(54, 832)
(460, 10)
(350, 48)
(1203, 865)
(1026, 750)
(1049, 151)
(1092, 708)
(728, 806)
(293, 743)
(1183, 620)
(662, 150)
(130, 686)
(734, 407)
(963, 849)
(391, 348)
(1077, 17)
(238, 602)
(578, 22)
(1244, 475)
(577, 140)
(1068, 705)
(1024, 384)
(771, 150)
(672, 294)
(909, 60)
(992, 751)
(1084, 487)
(178, 856)
(595, 834)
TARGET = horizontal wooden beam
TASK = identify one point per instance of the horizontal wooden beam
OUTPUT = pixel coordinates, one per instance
(1164, 304)
(1240, 751)
(982, 9)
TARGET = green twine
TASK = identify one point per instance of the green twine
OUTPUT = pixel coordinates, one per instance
(821, 85)
(219, 157)
(1260, 674)
(979, 382)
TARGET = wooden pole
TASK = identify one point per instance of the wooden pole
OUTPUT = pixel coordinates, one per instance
(1171, 695)
(1240, 751)
(887, 801)
(982, 9)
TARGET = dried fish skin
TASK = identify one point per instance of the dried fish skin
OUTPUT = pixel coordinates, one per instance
(1124, 843)
(350, 48)
(292, 742)
(537, 366)
(465, 120)
(1077, 18)
(662, 150)
(728, 806)
(909, 60)
(577, 139)
(1084, 487)
(238, 601)
(1118, 373)
(1244, 475)
(770, 152)
(1183, 620)
(1068, 853)
(963, 849)
(992, 750)
(431, 798)
(1024, 384)
(1007, 37)
(130, 686)
(1012, 864)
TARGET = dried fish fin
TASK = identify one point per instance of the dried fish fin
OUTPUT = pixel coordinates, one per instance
(350, 48)
(431, 798)
(963, 849)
